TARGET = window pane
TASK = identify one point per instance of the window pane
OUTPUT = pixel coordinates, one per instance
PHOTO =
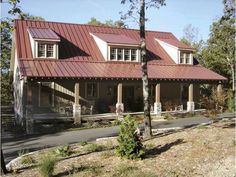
(127, 54)
(187, 57)
(41, 50)
(181, 57)
(119, 54)
(92, 89)
(113, 54)
(49, 50)
(133, 54)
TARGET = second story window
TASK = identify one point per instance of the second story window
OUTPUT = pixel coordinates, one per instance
(123, 54)
(185, 58)
(45, 50)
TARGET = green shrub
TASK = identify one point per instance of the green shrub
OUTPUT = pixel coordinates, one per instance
(130, 145)
(22, 152)
(116, 122)
(168, 116)
(47, 165)
(63, 151)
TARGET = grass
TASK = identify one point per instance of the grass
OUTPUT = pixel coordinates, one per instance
(124, 170)
(95, 148)
(107, 154)
(63, 151)
(27, 160)
(22, 152)
(83, 143)
(47, 165)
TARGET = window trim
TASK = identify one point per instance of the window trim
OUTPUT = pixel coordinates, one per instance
(86, 90)
(185, 57)
(46, 43)
(123, 53)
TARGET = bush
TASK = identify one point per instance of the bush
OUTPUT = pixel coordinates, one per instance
(27, 160)
(63, 151)
(230, 101)
(47, 165)
(130, 145)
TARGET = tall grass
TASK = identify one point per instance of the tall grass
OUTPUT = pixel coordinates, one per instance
(47, 165)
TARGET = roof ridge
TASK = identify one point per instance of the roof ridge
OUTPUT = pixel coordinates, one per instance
(70, 23)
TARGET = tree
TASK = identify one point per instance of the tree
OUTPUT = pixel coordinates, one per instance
(191, 38)
(220, 51)
(6, 27)
(111, 23)
(140, 11)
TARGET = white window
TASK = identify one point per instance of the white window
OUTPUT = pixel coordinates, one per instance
(185, 58)
(46, 50)
(123, 54)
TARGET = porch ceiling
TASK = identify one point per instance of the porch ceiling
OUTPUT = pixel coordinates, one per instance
(113, 70)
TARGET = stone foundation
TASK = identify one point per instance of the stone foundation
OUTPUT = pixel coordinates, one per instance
(77, 113)
(157, 108)
(190, 106)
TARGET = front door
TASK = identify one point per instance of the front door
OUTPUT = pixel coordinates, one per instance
(128, 98)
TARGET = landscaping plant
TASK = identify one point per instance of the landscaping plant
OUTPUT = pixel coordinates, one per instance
(130, 145)
(47, 165)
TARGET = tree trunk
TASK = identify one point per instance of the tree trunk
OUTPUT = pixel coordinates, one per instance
(233, 77)
(147, 117)
(3, 166)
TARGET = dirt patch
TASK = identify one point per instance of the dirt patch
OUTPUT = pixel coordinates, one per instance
(199, 151)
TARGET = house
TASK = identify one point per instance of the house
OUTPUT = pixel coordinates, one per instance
(73, 69)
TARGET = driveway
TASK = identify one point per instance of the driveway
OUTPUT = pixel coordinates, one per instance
(11, 146)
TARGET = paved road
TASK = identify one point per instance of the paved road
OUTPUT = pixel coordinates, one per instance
(13, 145)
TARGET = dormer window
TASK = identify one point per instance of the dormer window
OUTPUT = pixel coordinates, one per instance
(44, 42)
(123, 54)
(185, 57)
(117, 47)
(46, 50)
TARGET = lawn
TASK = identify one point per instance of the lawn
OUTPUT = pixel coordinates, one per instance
(198, 151)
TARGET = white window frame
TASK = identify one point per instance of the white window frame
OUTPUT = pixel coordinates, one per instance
(185, 57)
(123, 53)
(55, 49)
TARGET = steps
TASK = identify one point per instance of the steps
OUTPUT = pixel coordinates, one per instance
(7, 117)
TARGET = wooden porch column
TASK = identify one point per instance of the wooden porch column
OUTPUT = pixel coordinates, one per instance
(119, 104)
(76, 106)
(157, 104)
(29, 122)
(190, 103)
(219, 90)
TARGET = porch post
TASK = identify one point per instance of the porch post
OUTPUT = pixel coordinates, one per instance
(190, 103)
(29, 110)
(219, 90)
(119, 104)
(76, 106)
(157, 104)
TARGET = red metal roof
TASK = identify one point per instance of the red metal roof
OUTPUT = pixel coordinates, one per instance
(80, 57)
(55, 68)
(116, 38)
(43, 33)
(177, 44)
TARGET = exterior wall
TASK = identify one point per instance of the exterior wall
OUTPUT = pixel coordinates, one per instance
(102, 46)
(172, 51)
(107, 96)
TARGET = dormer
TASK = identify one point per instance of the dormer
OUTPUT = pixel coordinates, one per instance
(117, 47)
(178, 51)
(44, 43)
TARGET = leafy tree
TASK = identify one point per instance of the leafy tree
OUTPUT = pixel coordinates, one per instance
(111, 23)
(191, 38)
(133, 12)
(219, 55)
(6, 27)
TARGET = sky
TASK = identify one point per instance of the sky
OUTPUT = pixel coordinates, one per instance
(173, 17)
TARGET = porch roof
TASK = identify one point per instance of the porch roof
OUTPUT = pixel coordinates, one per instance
(51, 68)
